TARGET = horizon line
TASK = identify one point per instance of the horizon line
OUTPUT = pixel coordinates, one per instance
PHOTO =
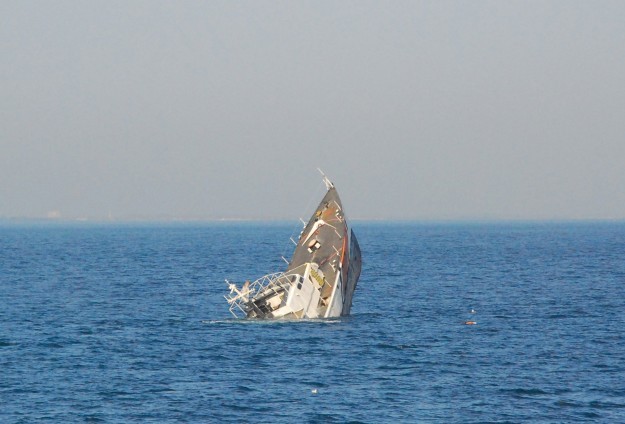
(199, 220)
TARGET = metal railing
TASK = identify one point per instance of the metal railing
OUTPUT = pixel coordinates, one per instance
(239, 300)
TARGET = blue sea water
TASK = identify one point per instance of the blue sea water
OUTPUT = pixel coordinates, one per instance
(127, 323)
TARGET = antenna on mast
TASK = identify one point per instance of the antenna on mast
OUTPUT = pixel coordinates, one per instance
(326, 180)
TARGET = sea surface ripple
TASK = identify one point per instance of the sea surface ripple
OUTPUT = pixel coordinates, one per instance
(127, 323)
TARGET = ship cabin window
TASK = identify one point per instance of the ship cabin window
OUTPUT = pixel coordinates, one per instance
(300, 281)
(313, 245)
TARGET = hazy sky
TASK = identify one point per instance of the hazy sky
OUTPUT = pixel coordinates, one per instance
(210, 109)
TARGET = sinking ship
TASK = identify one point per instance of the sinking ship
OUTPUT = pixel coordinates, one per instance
(320, 278)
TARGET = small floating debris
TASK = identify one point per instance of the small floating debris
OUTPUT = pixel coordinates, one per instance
(314, 391)
(471, 321)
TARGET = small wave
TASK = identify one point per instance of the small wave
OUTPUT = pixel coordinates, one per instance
(329, 418)
(53, 345)
(162, 390)
(526, 392)
(408, 346)
(386, 346)
(393, 346)
(114, 394)
(239, 408)
(559, 316)
(605, 405)
(244, 389)
(368, 315)
(398, 368)
(591, 415)
(568, 404)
